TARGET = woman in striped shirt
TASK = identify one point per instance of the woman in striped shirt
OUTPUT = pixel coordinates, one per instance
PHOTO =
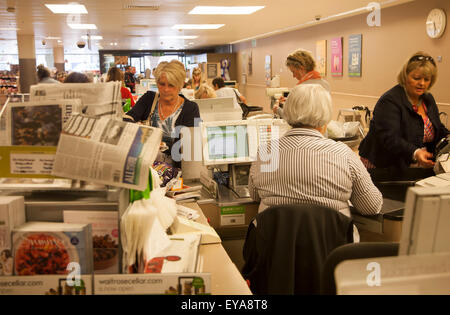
(305, 167)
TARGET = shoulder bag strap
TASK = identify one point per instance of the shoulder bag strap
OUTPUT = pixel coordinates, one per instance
(149, 118)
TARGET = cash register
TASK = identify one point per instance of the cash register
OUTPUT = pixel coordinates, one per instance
(230, 146)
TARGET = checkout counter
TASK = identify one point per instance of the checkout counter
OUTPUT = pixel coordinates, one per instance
(227, 150)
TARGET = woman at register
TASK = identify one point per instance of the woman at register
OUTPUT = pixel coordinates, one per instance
(170, 109)
(405, 127)
(302, 66)
(309, 168)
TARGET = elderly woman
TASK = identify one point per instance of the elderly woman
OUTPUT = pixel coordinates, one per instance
(405, 127)
(310, 168)
(167, 109)
(302, 64)
(205, 91)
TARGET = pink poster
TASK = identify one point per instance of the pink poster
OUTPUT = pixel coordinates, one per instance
(336, 57)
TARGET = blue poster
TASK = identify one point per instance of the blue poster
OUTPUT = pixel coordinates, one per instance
(354, 55)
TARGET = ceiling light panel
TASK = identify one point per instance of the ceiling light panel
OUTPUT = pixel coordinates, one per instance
(197, 26)
(93, 37)
(229, 10)
(178, 37)
(67, 8)
(82, 26)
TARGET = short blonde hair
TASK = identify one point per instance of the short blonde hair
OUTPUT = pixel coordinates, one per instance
(205, 88)
(308, 105)
(420, 60)
(174, 72)
(301, 58)
(197, 71)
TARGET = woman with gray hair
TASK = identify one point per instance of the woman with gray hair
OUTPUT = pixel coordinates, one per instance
(166, 109)
(309, 168)
(302, 66)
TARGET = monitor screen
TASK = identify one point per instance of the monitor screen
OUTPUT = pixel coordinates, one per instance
(227, 142)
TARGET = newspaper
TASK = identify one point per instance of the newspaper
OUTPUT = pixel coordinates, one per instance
(36, 123)
(98, 99)
(106, 151)
(29, 135)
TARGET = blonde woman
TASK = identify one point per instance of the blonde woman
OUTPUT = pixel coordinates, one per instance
(205, 91)
(302, 65)
(171, 109)
(196, 78)
(405, 127)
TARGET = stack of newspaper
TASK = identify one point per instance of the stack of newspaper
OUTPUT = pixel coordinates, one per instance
(75, 131)
(107, 151)
(98, 99)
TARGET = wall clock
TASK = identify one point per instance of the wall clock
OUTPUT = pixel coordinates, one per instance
(436, 22)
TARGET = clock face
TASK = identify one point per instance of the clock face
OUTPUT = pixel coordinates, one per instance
(436, 23)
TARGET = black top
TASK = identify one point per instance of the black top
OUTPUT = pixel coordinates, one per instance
(130, 81)
(396, 130)
(285, 252)
(187, 118)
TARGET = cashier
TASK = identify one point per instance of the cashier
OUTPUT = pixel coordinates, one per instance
(405, 127)
(302, 65)
(306, 167)
(167, 109)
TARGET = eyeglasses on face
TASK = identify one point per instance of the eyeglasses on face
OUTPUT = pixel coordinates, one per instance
(422, 58)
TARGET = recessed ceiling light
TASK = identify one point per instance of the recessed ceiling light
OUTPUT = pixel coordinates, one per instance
(67, 8)
(83, 26)
(225, 10)
(94, 37)
(52, 37)
(178, 37)
(197, 26)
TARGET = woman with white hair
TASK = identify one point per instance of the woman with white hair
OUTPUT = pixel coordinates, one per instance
(306, 167)
(166, 109)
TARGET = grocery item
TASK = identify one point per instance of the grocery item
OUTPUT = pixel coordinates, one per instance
(48, 248)
(12, 214)
(105, 236)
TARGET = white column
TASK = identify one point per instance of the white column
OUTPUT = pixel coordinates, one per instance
(27, 62)
(58, 58)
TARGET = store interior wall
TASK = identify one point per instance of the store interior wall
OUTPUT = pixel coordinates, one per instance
(384, 51)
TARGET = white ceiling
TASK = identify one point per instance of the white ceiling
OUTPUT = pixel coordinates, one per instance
(133, 29)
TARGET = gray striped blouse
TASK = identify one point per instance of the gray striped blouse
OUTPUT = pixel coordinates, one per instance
(305, 167)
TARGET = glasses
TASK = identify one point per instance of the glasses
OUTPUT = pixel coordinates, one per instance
(422, 58)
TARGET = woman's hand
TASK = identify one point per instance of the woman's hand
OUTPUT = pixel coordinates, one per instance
(423, 158)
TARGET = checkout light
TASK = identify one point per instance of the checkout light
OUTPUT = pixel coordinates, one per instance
(228, 10)
(197, 26)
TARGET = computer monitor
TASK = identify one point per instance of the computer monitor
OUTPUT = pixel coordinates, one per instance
(228, 142)
(218, 109)
(149, 84)
(426, 221)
